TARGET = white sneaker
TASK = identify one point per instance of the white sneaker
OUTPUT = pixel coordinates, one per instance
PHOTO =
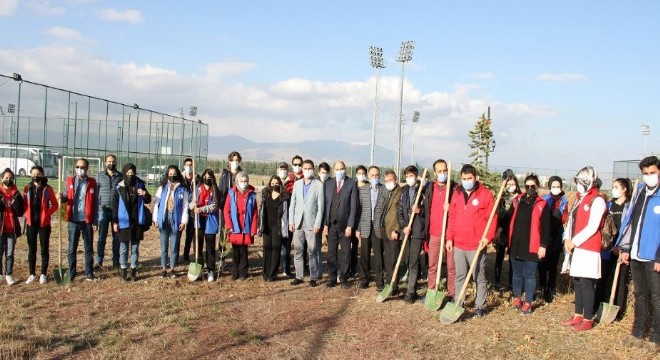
(43, 279)
(211, 278)
(30, 279)
(10, 280)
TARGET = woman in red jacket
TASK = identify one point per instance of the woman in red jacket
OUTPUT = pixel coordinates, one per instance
(11, 228)
(40, 205)
(241, 223)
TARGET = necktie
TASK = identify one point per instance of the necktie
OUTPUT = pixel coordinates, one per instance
(339, 186)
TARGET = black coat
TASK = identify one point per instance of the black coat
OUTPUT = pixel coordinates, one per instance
(347, 214)
(135, 231)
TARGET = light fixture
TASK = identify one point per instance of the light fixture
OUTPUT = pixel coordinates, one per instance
(17, 77)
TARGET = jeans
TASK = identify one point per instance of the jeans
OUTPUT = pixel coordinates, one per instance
(302, 237)
(169, 240)
(463, 260)
(7, 245)
(123, 253)
(75, 230)
(584, 297)
(105, 219)
(43, 233)
(524, 273)
(646, 283)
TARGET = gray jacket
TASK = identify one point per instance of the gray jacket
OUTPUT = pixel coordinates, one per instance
(364, 225)
(307, 213)
(104, 189)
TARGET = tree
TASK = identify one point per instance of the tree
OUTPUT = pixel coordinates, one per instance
(482, 142)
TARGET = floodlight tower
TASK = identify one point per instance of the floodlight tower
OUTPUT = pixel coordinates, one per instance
(646, 131)
(405, 55)
(377, 62)
(415, 120)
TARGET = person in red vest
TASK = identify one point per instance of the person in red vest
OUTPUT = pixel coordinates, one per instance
(40, 205)
(584, 239)
(529, 236)
(12, 202)
(296, 174)
(240, 214)
(81, 213)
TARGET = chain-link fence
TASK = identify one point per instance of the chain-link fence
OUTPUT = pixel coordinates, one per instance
(40, 124)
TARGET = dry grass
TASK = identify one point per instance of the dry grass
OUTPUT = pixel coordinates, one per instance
(174, 318)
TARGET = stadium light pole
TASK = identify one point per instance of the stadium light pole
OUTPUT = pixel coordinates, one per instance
(405, 55)
(646, 131)
(377, 62)
(415, 120)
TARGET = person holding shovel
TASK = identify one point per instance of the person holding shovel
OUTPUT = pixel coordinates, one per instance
(130, 217)
(241, 223)
(40, 205)
(208, 223)
(11, 229)
(386, 226)
(469, 210)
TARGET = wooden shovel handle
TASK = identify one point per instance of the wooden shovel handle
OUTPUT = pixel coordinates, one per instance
(618, 263)
(444, 227)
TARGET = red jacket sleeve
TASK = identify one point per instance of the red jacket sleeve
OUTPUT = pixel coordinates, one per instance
(451, 219)
(227, 212)
(253, 230)
(53, 201)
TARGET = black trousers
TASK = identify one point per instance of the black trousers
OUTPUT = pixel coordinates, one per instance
(646, 284)
(366, 245)
(355, 251)
(548, 270)
(190, 235)
(206, 241)
(286, 254)
(499, 261)
(584, 297)
(391, 249)
(414, 267)
(272, 246)
(32, 232)
(339, 254)
(239, 264)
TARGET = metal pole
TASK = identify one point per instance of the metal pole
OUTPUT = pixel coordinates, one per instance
(399, 130)
(376, 56)
(89, 120)
(43, 146)
(75, 128)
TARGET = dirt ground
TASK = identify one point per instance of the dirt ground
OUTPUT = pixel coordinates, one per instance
(176, 318)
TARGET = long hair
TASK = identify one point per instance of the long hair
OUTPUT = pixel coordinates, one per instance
(178, 177)
(214, 185)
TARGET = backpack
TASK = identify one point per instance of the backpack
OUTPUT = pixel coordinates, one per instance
(609, 231)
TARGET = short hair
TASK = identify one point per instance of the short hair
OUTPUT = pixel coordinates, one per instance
(390, 172)
(187, 159)
(231, 155)
(296, 157)
(411, 169)
(468, 169)
(308, 161)
(112, 156)
(360, 167)
(83, 160)
(324, 165)
(649, 161)
(534, 178)
(38, 168)
(439, 161)
(374, 167)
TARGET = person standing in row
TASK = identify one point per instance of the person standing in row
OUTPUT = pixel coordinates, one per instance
(417, 231)
(504, 210)
(240, 214)
(106, 180)
(469, 211)
(387, 226)
(81, 213)
(40, 205)
(285, 251)
(189, 179)
(366, 231)
(529, 235)
(11, 229)
(639, 243)
(295, 175)
(273, 225)
(341, 216)
(324, 175)
(361, 180)
(227, 181)
(305, 220)
(558, 205)
(170, 216)
(584, 239)
(208, 220)
(129, 218)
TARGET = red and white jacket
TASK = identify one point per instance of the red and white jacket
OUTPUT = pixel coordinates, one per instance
(535, 226)
(467, 219)
(90, 199)
(48, 205)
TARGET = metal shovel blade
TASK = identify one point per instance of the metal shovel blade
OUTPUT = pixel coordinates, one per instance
(451, 313)
(385, 293)
(62, 276)
(607, 313)
(434, 299)
(194, 270)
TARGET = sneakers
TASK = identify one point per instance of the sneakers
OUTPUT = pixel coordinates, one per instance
(296, 281)
(576, 319)
(526, 308)
(517, 303)
(10, 280)
(363, 285)
(409, 298)
(90, 278)
(163, 274)
(30, 279)
(479, 312)
(43, 279)
(122, 274)
(584, 325)
(133, 274)
(172, 274)
(312, 283)
(211, 278)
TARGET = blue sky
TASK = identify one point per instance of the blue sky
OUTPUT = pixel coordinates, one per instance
(569, 82)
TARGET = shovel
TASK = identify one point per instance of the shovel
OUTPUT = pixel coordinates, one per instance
(433, 299)
(195, 268)
(607, 312)
(387, 290)
(452, 311)
(62, 275)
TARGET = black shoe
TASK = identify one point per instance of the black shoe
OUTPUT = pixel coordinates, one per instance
(479, 312)
(186, 258)
(379, 288)
(290, 275)
(122, 274)
(330, 284)
(242, 278)
(363, 285)
(345, 285)
(395, 291)
(133, 274)
(313, 283)
(410, 298)
(296, 282)
(163, 274)
(90, 278)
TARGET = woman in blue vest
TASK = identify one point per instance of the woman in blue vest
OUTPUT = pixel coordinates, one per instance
(170, 215)
(129, 217)
(208, 220)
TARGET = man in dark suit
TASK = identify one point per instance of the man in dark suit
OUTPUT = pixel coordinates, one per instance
(341, 204)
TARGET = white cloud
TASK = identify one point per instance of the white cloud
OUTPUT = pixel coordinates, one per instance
(45, 7)
(126, 15)
(562, 78)
(8, 7)
(64, 33)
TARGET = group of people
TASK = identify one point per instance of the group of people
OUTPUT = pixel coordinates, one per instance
(362, 222)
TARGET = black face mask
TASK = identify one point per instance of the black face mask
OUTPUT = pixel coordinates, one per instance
(532, 192)
(36, 179)
(277, 188)
(111, 167)
(8, 183)
(208, 182)
(130, 180)
(171, 178)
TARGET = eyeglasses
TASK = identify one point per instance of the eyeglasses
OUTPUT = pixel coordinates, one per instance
(530, 187)
(300, 164)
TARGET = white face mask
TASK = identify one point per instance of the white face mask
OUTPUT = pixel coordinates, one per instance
(233, 165)
(282, 174)
(324, 176)
(297, 169)
(308, 173)
(361, 178)
(512, 189)
(555, 191)
(81, 172)
(187, 169)
(651, 180)
(390, 185)
(442, 177)
(242, 185)
(411, 181)
(616, 193)
(581, 189)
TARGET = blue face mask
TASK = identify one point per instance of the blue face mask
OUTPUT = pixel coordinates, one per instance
(442, 177)
(374, 182)
(467, 184)
(340, 174)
